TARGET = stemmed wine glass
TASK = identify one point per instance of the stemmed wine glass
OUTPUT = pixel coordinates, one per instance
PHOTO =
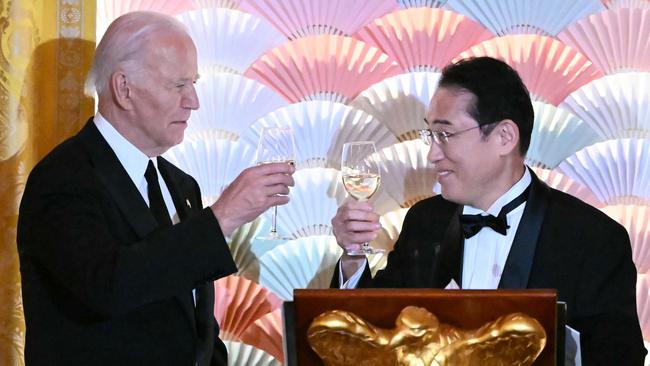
(276, 145)
(360, 172)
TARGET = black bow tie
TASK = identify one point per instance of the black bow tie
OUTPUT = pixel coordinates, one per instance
(472, 224)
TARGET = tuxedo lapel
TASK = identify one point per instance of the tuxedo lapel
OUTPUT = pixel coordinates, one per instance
(116, 180)
(182, 200)
(516, 271)
(449, 261)
(182, 204)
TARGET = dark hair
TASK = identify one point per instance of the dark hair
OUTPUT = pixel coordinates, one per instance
(499, 94)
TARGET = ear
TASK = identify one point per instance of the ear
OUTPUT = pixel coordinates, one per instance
(121, 90)
(507, 137)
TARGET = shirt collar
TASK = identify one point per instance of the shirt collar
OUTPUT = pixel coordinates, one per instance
(132, 159)
(512, 193)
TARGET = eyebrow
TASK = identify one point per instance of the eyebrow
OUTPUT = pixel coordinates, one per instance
(441, 122)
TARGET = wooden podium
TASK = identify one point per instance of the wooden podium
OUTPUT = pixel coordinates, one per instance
(468, 309)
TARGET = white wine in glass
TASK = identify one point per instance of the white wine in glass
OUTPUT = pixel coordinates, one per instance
(276, 145)
(361, 178)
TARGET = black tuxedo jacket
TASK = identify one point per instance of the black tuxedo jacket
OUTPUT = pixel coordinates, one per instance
(102, 285)
(561, 243)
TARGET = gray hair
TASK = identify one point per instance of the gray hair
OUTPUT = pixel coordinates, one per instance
(124, 45)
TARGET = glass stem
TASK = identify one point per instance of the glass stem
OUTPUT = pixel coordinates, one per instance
(274, 222)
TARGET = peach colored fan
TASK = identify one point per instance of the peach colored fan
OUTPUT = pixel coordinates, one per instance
(614, 40)
(322, 67)
(239, 302)
(565, 184)
(423, 39)
(636, 220)
(266, 334)
(550, 69)
(299, 18)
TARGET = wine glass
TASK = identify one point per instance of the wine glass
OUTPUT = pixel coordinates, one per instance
(360, 173)
(276, 145)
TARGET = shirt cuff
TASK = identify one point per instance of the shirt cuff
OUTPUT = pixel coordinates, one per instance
(353, 281)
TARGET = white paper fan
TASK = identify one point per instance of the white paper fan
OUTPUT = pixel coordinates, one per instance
(557, 134)
(423, 39)
(391, 226)
(240, 243)
(614, 40)
(561, 182)
(109, 10)
(617, 171)
(213, 163)
(299, 18)
(620, 4)
(636, 220)
(302, 263)
(407, 176)
(229, 40)
(421, 3)
(228, 4)
(321, 128)
(239, 302)
(313, 201)
(231, 103)
(643, 303)
(547, 17)
(400, 102)
(266, 334)
(550, 69)
(326, 67)
(241, 354)
(615, 106)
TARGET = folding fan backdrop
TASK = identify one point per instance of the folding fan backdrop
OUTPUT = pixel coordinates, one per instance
(340, 70)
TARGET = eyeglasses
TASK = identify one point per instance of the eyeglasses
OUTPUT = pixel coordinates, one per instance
(441, 137)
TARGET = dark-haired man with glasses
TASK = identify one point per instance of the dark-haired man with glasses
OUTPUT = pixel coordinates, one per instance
(495, 225)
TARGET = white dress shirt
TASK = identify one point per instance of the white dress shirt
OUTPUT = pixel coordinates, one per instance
(134, 162)
(484, 254)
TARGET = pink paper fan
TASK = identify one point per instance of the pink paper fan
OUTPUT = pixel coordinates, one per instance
(636, 220)
(565, 184)
(643, 303)
(615, 40)
(330, 68)
(266, 334)
(620, 4)
(423, 39)
(239, 302)
(550, 69)
(299, 18)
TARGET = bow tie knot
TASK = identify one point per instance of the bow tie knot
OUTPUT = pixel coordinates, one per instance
(472, 224)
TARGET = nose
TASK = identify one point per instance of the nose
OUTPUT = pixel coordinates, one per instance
(435, 153)
(191, 98)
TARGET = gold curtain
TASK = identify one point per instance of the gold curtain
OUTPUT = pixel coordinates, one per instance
(46, 47)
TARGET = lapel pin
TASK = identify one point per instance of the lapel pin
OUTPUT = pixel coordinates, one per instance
(187, 202)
